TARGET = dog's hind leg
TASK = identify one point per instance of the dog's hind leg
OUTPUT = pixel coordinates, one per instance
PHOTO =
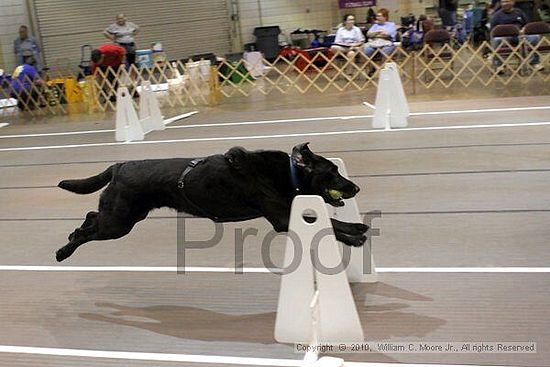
(100, 229)
(67, 250)
(89, 223)
(99, 226)
(85, 233)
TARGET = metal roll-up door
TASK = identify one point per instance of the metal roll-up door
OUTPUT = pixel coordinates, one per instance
(183, 27)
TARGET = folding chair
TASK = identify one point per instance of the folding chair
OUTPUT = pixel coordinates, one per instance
(509, 46)
(439, 42)
(541, 29)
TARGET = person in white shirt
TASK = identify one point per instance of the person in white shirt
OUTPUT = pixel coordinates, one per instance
(123, 33)
(349, 38)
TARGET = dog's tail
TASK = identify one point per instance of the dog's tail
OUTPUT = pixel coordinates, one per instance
(90, 184)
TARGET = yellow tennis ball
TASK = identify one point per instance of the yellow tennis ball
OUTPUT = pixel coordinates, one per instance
(335, 194)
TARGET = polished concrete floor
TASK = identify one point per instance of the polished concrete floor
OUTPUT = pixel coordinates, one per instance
(456, 189)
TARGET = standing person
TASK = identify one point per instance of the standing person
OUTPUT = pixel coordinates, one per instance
(25, 46)
(105, 57)
(381, 35)
(508, 14)
(123, 33)
(447, 12)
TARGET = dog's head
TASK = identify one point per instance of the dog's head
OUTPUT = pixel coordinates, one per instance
(320, 176)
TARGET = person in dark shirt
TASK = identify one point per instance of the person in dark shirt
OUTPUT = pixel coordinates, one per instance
(508, 14)
(447, 12)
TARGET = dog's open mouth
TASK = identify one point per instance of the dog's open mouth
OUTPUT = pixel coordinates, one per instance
(334, 197)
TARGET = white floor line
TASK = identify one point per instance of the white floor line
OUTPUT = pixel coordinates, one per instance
(158, 357)
(262, 122)
(66, 133)
(369, 105)
(3, 124)
(295, 135)
(504, 269)
(180, 117)
(194, 358)
(137, 269)
(258, 270)
(268, 122)
(483, 110)
(382, 364)
(219, 124)
(86, 132)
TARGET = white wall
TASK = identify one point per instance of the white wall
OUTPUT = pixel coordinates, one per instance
(13, 13)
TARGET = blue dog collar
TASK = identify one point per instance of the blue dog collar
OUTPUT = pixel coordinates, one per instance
(294, 175)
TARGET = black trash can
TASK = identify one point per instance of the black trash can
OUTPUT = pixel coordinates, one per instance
(267, 41)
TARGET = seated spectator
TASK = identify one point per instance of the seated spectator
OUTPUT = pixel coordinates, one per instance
(26, 84)
(508, 14)
(349, 38)
(26, 45)
(412, 37)
(381, 35)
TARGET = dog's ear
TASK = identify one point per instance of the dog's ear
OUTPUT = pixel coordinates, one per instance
(301, 155)
(236, 157)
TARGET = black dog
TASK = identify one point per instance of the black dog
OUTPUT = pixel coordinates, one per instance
(238, 185)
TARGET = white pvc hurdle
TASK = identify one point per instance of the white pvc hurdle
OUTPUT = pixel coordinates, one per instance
(316, 306)
(127, 126)
(337, 319)
(391, 105)
(130, 126)
(361, 268)
(149, 111)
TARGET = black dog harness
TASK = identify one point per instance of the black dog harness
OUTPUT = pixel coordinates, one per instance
(181, 185)
(294, 176)
(190, 166)
(195, 162)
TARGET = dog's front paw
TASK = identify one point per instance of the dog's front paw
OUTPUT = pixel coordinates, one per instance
(361, 228)
(353, 241)
(358, 241)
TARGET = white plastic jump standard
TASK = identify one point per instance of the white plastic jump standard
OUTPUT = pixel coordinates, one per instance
(149, 111)
(128, 127)
(361, 268)
(335, 318)
(392, 109)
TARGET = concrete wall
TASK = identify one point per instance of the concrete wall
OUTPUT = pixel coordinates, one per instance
(13, 13)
